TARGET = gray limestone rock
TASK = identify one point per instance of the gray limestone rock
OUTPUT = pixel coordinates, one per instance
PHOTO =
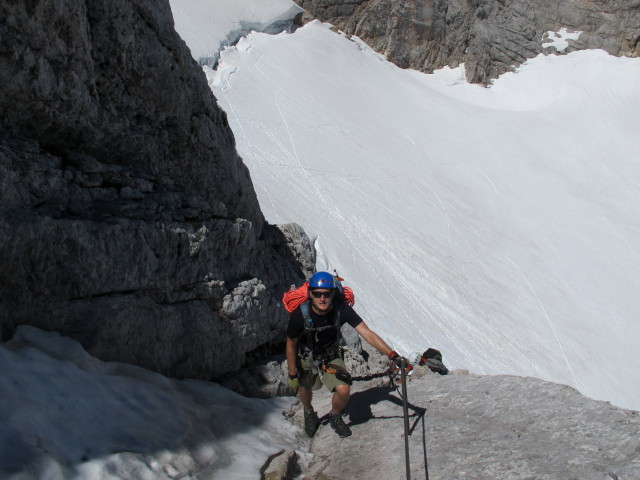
(269, 377)
(280, 466)
(127, 219)
(490, 38)
(477, 427)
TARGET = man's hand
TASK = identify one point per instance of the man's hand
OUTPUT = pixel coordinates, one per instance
(293, 382)
(397, 360)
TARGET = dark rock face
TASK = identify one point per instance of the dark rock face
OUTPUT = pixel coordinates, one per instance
(127, 219)
(489, 37)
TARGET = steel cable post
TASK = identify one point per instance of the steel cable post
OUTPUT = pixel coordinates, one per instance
(403, 376)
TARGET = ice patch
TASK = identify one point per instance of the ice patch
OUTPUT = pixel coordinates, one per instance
(366, 49)
(452, 76)
(560, 39)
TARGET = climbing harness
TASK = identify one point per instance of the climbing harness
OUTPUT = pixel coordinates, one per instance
(311, 347)
(320, 357)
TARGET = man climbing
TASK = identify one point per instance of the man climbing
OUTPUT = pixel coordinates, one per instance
(313, 352)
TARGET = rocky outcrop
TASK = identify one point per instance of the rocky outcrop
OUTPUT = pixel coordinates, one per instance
(268, 376)
(475, 427)
(490, 38)
(127, 219)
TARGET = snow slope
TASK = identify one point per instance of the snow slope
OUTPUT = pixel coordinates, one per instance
(67, 415)
(500, 225)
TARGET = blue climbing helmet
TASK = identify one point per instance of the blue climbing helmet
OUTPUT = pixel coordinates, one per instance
(322, 280)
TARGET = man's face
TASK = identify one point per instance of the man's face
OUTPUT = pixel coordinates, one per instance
(322, 299)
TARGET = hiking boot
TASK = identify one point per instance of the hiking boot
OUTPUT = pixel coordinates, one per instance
(338, 425)
(311, 422)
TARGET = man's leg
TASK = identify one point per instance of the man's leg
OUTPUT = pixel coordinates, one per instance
(338, 403)
(311, 420)
(305, 397)
(340, 399)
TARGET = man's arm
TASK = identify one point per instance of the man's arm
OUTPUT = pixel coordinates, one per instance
(373, 339)
(292, 350)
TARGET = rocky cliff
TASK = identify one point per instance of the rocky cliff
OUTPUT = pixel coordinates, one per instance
(489, 37)
(127, 219)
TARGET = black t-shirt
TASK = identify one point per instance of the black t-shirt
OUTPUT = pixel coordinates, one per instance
(326, 337)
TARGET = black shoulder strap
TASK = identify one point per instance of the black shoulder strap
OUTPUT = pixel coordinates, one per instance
(336, 324)
(312, 332)
(306, 315)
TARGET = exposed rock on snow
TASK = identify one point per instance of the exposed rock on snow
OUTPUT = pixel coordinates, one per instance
(280, 466)
(490, 38)
(128, 221)
(477, 427)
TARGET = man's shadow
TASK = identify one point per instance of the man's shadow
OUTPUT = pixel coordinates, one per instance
(359, 410)
(359, 407)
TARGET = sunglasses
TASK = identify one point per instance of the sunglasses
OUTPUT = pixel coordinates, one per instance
(328, 294)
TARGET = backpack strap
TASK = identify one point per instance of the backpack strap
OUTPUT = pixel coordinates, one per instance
(312, 332)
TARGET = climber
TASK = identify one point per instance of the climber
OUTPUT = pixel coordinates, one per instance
(313, 349)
